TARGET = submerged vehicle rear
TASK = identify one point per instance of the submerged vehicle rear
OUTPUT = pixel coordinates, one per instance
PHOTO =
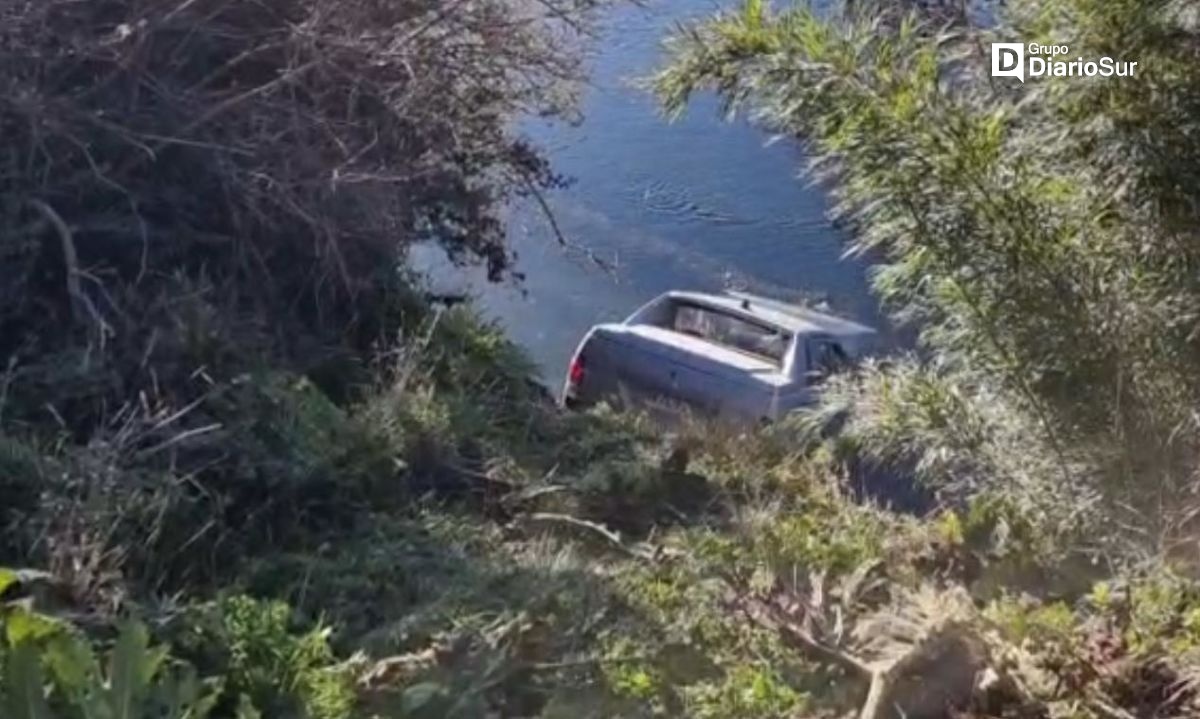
(735, 356)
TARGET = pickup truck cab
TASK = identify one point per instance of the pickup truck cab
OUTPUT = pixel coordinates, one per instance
(733, 356)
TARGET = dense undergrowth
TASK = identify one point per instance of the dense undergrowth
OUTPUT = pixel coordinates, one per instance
(450, 544)
(248, 469)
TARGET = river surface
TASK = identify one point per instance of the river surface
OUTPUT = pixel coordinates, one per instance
(695, 204)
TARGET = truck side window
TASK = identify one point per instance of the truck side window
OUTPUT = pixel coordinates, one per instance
(826, 357)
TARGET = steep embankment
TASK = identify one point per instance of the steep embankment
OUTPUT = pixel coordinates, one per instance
(246, 470)
(454, 546)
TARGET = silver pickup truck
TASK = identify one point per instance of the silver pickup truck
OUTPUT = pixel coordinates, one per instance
(734, 356)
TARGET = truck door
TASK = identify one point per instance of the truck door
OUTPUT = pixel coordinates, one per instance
(817, 357)
(635, 370)
(825, 357)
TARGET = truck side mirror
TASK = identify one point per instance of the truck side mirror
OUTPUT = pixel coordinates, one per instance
(814, 376)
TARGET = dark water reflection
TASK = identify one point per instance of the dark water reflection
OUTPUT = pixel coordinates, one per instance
(696, 204)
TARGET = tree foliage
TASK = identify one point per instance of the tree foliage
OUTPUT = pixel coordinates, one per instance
(205, 184)
(1041, 235)
(225, 413)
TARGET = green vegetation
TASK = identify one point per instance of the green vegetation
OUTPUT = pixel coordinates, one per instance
(247, 468)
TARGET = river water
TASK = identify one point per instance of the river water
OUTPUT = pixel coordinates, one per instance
(697, 204)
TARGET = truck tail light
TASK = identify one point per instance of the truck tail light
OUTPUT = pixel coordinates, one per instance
(576, 371)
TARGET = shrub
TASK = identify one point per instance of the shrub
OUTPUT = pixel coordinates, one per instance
(49, 669)
(255, 646)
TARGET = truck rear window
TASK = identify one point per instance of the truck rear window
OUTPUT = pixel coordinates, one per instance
(731, 331)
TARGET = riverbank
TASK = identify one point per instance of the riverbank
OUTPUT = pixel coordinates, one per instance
(247, 469)
(451, 545)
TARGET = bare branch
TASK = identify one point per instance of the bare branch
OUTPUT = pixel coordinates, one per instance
(612, 538)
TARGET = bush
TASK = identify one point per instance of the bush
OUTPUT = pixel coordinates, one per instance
(277, 156)
(256, 647)
(48, 668)
(203, 257)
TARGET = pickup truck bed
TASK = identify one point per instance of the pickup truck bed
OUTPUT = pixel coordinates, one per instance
(723, 356)
(701, 354)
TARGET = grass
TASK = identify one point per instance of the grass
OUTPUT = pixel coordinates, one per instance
(450, 544)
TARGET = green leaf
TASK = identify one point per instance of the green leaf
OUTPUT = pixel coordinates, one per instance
(7, 579)
(420, 698)
(23, 626)
(203, 704)
(25, 686)
(752, 13)
(131, 666)
(72, 665)
(246, 709)
(183, 696)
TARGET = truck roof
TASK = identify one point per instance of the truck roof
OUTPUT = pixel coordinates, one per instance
(791, 317)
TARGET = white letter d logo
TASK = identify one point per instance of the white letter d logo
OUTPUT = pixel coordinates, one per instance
(1008, 60)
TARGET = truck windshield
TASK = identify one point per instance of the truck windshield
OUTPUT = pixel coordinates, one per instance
(731, 331)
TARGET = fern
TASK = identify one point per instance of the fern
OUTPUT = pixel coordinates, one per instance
(49, 671)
